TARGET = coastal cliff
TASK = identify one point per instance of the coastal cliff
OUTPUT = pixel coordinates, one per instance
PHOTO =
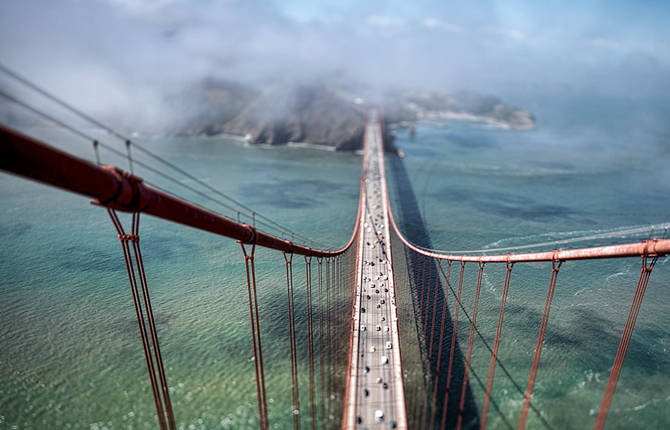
(330, 117)
(311, 114)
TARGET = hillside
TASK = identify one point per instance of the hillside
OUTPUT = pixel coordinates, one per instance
(326, 116)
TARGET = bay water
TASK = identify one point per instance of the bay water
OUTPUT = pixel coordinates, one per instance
(70, 353)
(592, 174)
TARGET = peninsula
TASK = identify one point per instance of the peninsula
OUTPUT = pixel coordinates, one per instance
(328, 116)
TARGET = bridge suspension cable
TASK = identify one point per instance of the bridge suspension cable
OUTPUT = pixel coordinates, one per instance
(649, 249)
(118, 190)
(609, 234)
(256, 335)
(97, 143)
(145, 317)
(417, 275)
(492, 351)
(252, 215)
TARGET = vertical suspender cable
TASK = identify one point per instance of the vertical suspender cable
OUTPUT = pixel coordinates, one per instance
(328, 346)
(410, 282)
(336, 305)
(425, 357)
(400, 282)
(310, 340)
(149, 336)
(407, 306)
(344, 307)
(420, 338)
(335, 322)
(436, 287)
(466, 370)
(452, 349)
(336, 268)
(295, 410)
(439, 350)
(256, 336)
(413, 301)
(340, 314)
(96, 149)
(418, 349)
(555, 266)
(625, 341)
(496, 344)
(140, 318)
(422, 366)
(321, 353)
(130, 157)
(152, 322)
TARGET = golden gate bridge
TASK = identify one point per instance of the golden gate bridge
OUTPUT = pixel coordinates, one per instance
(404, 303)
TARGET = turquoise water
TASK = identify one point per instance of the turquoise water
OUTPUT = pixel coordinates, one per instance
(71, 357)
(477, 187)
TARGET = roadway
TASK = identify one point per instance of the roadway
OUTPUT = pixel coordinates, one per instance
(375, 397)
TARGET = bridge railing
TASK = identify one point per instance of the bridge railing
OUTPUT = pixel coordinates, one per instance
(440, 333)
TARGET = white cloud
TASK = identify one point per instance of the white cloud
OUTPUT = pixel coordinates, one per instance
(431, 22)
(599, 42)
(512, 33)
(386, 21)
(165, 44)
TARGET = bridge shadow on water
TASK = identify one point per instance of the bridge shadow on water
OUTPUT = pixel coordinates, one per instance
(410, 222)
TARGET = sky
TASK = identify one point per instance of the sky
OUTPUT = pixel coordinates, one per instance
(118, 54)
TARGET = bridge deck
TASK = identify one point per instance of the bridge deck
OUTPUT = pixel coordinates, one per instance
(375, 398)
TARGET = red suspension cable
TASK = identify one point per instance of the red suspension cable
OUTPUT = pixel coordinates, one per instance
(150, 345)
(439, 350)
(466, 371)
(425, 357)
(256, 336)
(339, 338)
(310, 340)
(415, 301)
(295, 410)
(496, 344)
(333, 305)
(452, 349)
(555, 266)
(424, 417)
(335, 321)
(418, 351)
(329, 369)
(152, 323)
(322, 353)
(625, 341)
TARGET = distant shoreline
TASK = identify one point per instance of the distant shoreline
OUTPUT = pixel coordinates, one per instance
(470, 117)
(432, 118)
(247, 142)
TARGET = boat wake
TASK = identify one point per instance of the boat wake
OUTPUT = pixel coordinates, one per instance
(556, 239)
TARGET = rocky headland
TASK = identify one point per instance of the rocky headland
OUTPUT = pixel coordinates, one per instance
(318, 114)
(409, 107)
